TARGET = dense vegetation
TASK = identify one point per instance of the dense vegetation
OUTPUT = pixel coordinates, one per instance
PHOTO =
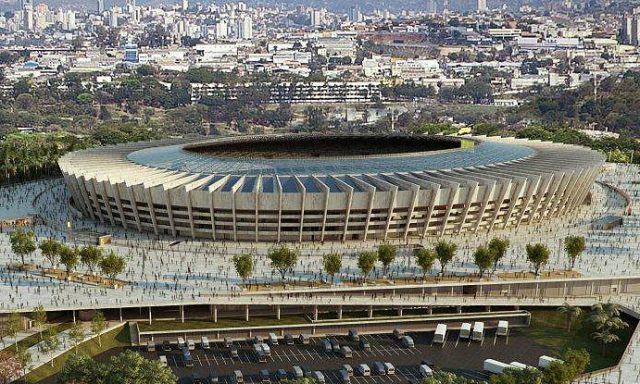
(615, 105)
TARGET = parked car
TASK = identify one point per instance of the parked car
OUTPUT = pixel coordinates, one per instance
(288, 339)
(335, 346)
(234, 352)
(163, 360)
(281, 374)
(166, 346)
(297, 372)
(265, 377)
(346, 351)
(348, 368)
(353, 335)
(364, 344)
(378, 368)
(273, 339)
(319, 377)
(205, 343)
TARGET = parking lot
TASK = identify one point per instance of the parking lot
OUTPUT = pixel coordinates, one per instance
(464, 357)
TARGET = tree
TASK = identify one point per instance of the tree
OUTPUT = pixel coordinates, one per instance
(366, 261)
(131, 367)
(283, 259)
(483, 258)
(112, 265)
(574, 246)
(98, 325)
(332, 263)
(50, 249)
(605, 337)
(244, 266)
(498, 248)
(90, 257)
(445, 251)
(386, 255)
(69, 258)
(517, 376)
(79, 368)
(50, 343)
(10, 366)
(13, 326)
(76, 333)
(571, 313)
(39, 318)
(425, 259)
(538, 255)
(22, 243)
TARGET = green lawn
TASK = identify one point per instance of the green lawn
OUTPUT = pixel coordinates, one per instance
(548, 328)
(173, 325)
(116, 338)
(34, 339)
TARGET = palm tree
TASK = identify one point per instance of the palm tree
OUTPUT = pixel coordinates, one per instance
(605, 337)
(571, 313)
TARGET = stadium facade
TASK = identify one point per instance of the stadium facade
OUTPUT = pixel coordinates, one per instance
(329, 187)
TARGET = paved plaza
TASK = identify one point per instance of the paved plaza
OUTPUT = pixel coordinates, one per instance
(191, 271)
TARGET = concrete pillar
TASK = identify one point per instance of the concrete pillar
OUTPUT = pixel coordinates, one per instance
(400, 311)
(315, 313)
(459, 309)
(149, 315)
(246, 313)
(430, 310)
(339, 312)
(73, 311)
(182, 313)
(278, 312)
(487, 308)
(371, 311)
(120, 313)
(213, 309)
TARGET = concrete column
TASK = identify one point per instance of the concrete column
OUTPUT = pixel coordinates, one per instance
(430, 310)
(315, 313)
(214, 310)
(182, 313)
(149, 315)
(73, 311)
(339, 312)
(459, 309)
(120, 313)
(278, 312)
(371, 311)
(400, 311)
(246, 313)
(487, 308)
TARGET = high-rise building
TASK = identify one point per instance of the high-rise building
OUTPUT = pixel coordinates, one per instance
(354, 14)
(432, 6)
(317, 17)
(222, 29)
(185, 5)
(631, 29)
(482, 6)
(131, 53)
(244, 27)
(100, 6)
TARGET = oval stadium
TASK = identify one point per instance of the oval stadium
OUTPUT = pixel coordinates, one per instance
(303, 187)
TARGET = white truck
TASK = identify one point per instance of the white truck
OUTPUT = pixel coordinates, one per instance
(465, 331)
(441, 334)
(495, 366)
(478, 331)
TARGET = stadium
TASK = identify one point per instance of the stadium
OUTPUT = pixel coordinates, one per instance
(303, 187)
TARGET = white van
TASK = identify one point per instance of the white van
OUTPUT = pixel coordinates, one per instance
(344, 377)
(425, 370)
(181, 343)
(389, 368)
(163, 360)
(478, 331)
(273, 339)
(151, 346)
(319, 377)
(191, 345)
(494, 366)
(544, 361)
(441, 334)
(364, 370)
(346, 351)
(465, 331)
(205, 343)
(503, 328)
(238, 378)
